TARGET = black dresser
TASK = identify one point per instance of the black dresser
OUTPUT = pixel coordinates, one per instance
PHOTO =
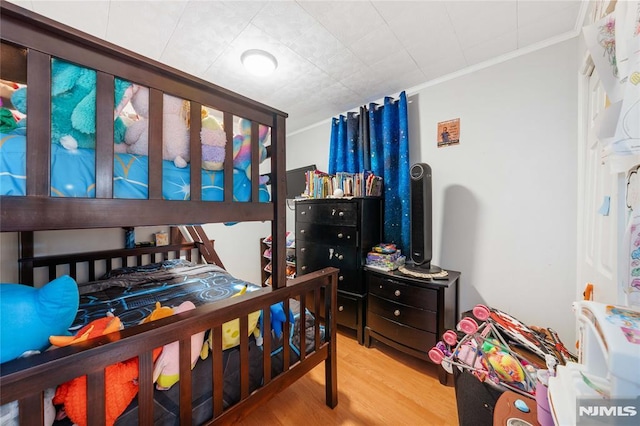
(409, 313)
(339, 233)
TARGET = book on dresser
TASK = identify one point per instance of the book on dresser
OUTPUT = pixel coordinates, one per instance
(339, 232)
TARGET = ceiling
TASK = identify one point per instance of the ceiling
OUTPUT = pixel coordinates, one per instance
(333, 55)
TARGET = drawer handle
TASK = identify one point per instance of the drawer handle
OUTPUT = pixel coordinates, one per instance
(303, 249)
(340, 235)
(302, 231)
(340, 278)
(341, 308)
(341, 214)
(304, 268)
(396, 313)
(397, 293)
(303, 212)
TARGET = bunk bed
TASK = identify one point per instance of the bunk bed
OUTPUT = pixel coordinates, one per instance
(37, 41)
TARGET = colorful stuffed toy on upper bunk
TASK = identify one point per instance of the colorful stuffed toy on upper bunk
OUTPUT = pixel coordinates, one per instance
(73, 105)
(73, 138)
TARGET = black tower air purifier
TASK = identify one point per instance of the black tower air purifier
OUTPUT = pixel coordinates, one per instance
(420, 216)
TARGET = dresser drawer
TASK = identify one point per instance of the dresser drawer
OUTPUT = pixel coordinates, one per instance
(409, 295)
(312, 255)
(347, 314)
(327, 213)
(327, 234)
(349, 279)
(348, 311)
(408, 315)
(408, 336)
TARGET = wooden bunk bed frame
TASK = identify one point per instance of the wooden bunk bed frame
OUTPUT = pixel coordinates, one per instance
(25, 380)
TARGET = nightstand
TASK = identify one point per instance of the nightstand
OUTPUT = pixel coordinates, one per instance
(409, 313)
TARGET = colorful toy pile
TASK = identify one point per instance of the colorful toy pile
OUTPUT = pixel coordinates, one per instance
(488, 350)
(385, 257)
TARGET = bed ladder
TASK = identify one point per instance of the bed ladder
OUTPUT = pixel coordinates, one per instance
(200, 239)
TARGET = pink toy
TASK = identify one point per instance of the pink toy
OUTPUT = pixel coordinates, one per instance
(166, 371)
(450, 337)
(468, 325)
(484, 353)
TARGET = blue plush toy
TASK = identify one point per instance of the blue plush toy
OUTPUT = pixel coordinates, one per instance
(28, 315)
(73, 105)
(278, 317)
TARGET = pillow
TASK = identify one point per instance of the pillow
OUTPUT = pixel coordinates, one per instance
(29, 315)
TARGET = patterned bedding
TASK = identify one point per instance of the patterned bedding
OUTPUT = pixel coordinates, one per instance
(73, 175)
(131, 294)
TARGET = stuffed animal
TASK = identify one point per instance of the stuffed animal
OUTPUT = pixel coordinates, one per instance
(278, 317)
(19, 102)
(6, 91)
(10, 412)
(95, 328)
(175, 128)
(159, 312)
(120, 378)
(28, 315)
(242, 148)
(166, 370)
(73, 105)
(231, 330)
(7, 120)
(214, 140)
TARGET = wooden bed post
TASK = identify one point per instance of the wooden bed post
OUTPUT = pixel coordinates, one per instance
(278, 191)
(25, 243)
(331, 363)
(175, 235)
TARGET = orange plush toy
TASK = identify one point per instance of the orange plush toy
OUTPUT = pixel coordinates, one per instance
(120, 379)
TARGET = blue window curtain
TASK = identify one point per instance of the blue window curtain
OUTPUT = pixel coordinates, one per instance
(377, 139)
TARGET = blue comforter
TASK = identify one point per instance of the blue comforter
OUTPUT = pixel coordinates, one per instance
(73, 175)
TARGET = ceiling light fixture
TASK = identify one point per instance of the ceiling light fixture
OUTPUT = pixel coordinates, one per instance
(259, 62)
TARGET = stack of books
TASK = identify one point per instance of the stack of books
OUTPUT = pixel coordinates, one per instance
(323, 185)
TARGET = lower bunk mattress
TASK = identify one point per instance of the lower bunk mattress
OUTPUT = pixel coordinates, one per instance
(133, 294)
(73, 175)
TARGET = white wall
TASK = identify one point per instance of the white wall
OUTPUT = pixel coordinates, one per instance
(239, 247)
(504, 203)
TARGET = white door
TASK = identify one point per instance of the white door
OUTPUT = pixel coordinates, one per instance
(601, 209)
(603, 251)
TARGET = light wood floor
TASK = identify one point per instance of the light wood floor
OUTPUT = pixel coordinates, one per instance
(376, 386)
